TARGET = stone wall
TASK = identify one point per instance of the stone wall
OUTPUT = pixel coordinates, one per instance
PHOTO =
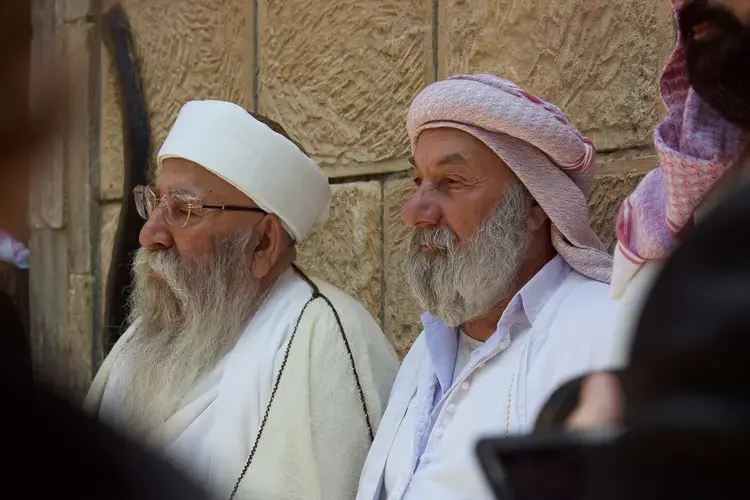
(339, 75)
(64, 202)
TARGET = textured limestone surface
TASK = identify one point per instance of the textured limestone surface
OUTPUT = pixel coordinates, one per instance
(346, 250)
(75, 345)
(110, 218)
(339, 74)
(188, 49)
(112, 160)
(401, 310)
(598, 60)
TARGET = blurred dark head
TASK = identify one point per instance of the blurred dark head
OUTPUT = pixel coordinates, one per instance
(693, 339)
(717, 44)
(686, 421)
(688, 382)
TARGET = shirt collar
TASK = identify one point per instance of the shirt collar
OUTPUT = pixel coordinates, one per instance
(535, 293)
(442, 340)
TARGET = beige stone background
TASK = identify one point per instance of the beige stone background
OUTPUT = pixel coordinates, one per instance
(339, 75)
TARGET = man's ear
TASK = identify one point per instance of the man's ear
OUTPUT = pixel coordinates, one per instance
(271, 241)
(537, 217)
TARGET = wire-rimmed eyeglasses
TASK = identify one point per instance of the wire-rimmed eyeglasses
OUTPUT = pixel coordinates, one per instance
(180, 208)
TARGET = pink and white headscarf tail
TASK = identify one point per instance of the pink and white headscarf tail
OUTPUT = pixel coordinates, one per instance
(535, 139)
(695, 146)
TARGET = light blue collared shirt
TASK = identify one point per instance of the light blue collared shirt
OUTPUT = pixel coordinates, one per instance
(442, 340)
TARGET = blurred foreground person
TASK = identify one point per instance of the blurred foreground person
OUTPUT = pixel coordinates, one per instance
(702, 144)
(677, 419)
(687, 386)
(716, 34)
(682, 401)
(512, 278)
(54, 450)
(257, 380)
(710, 66)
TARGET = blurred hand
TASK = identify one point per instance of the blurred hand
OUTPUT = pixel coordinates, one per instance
(601, 403)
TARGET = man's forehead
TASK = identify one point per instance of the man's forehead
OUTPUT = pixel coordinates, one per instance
(181, 176)
(446, 146)
(457, 159)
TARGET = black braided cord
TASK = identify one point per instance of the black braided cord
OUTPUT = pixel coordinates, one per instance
(354, 368)
(270, 401)
(316, 294)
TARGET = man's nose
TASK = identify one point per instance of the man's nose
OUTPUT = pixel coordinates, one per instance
(421, 210)
(156, 234)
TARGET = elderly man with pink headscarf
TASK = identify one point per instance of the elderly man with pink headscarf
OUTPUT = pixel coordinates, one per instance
(513, 280)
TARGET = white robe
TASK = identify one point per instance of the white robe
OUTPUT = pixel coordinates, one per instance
(315, 440)
(568, 333)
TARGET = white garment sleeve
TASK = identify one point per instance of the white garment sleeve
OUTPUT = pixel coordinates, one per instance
(339, 432)
(316, 440)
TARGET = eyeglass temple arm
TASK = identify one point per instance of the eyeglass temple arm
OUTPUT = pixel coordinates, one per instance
(243, 209)
(236, 208)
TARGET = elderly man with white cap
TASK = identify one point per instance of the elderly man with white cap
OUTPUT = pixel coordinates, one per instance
(513, 280)
(258, 381)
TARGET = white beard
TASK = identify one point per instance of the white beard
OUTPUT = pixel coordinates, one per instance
(464, 281)
(187, 321)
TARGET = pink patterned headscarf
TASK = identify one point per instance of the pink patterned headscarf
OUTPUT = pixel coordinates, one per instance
(545, 151)
(695, 146)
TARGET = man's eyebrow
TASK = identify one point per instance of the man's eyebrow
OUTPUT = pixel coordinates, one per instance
(453, 159)
(450, 159)
(188, 193)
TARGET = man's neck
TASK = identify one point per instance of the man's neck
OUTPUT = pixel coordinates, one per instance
(482, 328)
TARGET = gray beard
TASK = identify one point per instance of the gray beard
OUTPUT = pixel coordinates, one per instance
(186, 322)
(465, 281)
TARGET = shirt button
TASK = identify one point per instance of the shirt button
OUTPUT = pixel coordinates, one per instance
(438, 433)
(425, 461)
(450, 408)
(480, 364)
(465, 386)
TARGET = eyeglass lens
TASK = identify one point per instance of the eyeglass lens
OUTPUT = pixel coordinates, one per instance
(177, 212)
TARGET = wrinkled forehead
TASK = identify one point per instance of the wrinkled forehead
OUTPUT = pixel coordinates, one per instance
(179, 176)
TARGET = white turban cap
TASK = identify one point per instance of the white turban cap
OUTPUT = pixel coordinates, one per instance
(226, 140)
